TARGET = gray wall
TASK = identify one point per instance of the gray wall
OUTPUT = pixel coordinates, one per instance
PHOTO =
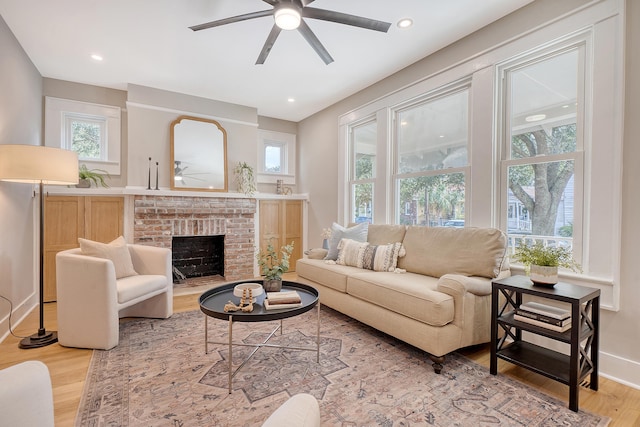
(318, 152)
(20, 123)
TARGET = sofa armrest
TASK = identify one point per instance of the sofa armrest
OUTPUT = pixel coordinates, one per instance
(457, 284)
(151, 260)
(316, 253)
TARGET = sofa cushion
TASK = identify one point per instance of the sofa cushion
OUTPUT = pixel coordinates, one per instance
(412, 295)
(435, 251)
(333, 276)
(358, 232)
(381, 234)
(132, 287)
(116, 251)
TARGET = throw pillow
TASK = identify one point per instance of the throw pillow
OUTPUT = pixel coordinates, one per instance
(351, 252)
(382, 257)
(358, 233)
(116, 251)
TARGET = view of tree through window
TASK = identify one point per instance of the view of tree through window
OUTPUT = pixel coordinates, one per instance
(363, 138)
(432, 146)
(543, 115)
(85, 139)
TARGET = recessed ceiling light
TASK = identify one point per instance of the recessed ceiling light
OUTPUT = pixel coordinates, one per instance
(96, 57)
(405, 23)
(565, 106)
(441, 136)
(535, 118)
(291, 100)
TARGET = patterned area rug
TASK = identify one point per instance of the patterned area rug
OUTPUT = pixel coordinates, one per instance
(159, 375)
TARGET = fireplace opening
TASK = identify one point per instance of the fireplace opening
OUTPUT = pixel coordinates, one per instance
(197, 256)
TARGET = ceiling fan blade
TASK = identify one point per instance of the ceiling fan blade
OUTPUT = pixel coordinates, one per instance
(232, 19)
(345, 18)
(302, 3)
(314, 42)
(268, 44)
(271, 2)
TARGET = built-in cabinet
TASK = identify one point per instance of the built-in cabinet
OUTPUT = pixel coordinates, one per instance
(99, 218)
(281, 222)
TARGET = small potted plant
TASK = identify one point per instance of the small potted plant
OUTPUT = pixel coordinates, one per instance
(244, 178)
(273, 266)
(543, 261)
(87, 176)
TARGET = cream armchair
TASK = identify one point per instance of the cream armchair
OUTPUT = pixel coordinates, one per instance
(91, 301)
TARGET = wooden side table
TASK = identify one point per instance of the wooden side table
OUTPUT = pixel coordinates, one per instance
(582, 337)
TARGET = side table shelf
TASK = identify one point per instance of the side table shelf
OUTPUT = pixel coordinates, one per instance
(582, 337)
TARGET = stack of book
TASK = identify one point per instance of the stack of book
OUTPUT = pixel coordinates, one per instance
(545, 316)
(282, 299)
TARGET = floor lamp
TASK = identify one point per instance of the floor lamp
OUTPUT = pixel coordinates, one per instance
(34, 164)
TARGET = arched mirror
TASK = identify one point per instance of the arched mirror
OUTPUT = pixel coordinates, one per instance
(198, 155)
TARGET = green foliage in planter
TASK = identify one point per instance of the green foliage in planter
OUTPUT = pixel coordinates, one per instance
(244, 178)
(94, 175)
(549, 256)
(273, 265)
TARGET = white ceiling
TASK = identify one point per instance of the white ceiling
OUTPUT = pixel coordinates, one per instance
(147, 42)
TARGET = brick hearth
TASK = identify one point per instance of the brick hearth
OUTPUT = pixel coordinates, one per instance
(158, 218)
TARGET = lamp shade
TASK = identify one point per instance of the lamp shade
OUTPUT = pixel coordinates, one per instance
(35, 164)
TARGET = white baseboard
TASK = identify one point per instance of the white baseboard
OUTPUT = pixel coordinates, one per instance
(621, 370)
(20, 311)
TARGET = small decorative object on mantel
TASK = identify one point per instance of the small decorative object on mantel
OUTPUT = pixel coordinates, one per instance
(244, 178)
(273, 266)
(149, 176)
(543, 262)
(157, 176)
(87, 176)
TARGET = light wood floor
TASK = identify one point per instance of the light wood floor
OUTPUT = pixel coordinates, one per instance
(68, 368)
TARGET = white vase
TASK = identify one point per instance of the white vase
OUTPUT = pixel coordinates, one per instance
(543, 275)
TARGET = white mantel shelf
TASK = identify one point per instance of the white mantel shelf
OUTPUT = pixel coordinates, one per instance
(163, 192)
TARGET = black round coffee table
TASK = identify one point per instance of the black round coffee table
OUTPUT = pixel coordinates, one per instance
(212, 304)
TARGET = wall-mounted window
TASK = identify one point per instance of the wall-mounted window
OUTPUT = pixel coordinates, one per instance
(276, 157)
(363, 137)
(542, 147)
(432, 158)
(91, 130)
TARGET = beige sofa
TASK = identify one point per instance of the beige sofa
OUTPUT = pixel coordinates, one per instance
(437, 299)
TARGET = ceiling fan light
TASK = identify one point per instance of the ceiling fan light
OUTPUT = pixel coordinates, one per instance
(287, 18)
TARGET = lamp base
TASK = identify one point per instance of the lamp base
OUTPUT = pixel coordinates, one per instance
(39, 340)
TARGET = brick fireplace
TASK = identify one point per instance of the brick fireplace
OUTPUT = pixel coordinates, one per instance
(157, 219)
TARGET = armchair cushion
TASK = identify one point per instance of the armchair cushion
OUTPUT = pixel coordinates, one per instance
(132, 287)
(116, 251)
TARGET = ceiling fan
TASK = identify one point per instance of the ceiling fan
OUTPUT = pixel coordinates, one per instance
(288, 15)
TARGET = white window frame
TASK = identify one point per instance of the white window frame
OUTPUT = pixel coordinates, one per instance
(58, 113)
(287, 142)
(352, 173)
(503, 71)
(67, 142)
(463, 85)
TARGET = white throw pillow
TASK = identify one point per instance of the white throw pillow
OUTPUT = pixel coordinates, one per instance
(358, 233)
(115, 251)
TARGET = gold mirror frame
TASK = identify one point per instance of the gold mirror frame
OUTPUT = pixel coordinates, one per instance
(198, 155)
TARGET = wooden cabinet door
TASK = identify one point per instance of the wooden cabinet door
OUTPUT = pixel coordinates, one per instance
(293, 230)
(281, 224)
(63, 224)
(68, 217)
(271, 223)
(103, 218)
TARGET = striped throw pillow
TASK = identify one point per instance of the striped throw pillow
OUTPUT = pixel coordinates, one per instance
(382, 257)
(351, 252)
